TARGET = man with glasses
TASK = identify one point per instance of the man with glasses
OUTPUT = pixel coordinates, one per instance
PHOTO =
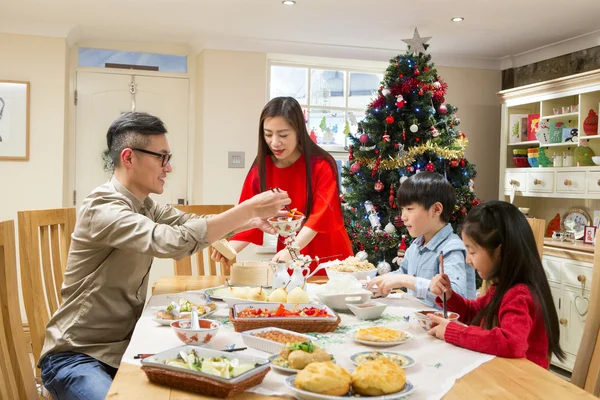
(119, 231)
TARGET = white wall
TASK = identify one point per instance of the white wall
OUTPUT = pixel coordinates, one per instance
(37, 183)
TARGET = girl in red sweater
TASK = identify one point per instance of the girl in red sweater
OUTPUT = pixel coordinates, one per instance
(516, 317)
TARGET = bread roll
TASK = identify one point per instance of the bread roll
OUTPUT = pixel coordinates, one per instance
(378, 377)
(223, 247)
(324, 378)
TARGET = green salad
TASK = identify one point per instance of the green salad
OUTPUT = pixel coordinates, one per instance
(308, 346)
(218, 366)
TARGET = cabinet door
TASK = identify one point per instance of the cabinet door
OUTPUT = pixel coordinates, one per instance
(556, 298)
(571, 320)
(542, 182)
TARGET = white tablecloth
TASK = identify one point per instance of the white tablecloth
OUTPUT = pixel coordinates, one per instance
(438, 364)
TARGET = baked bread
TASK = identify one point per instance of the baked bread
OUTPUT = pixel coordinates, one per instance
(379, 334)
(324, 378)
(223, 247)
(378, 377)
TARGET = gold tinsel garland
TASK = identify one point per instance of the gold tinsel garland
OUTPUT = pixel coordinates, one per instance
(460, 145)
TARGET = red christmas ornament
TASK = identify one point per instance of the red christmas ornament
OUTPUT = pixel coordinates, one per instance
(421, 92)
(398, 222)
(400, 101)
(355, 168)
(389, 119)
(454, 163)
(410, 168)
(396, 145)
(391, 199)
(476, 202)
(378, 186)
(462, 163)
(403, 135)
(351, 154)
(376, 248)
(462, 135)
(364, 138)
(401, 76)
(426, 69)
(417, 73)
(376, 167)
(430, 167)
(377, 151)
(386, 137)
(417, 139)
(342, 198)
(443, 109)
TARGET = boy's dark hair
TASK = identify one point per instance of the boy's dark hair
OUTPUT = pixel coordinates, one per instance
(132, 130)
(496, 224)
(426, 189)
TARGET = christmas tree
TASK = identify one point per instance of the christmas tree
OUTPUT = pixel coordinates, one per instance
(408, 128)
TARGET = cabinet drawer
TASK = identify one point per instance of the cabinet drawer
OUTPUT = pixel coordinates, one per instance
(571, 272)
(519, 179)
(593, 182)
(552, 269)
(540, 181)
(570, 182)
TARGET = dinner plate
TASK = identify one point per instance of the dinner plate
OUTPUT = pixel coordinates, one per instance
(380, 344)
(211, 291)
(306, 395)
(167, 322)
(407, 361)
(286, 369)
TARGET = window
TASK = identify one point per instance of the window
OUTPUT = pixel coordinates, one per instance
(335, 99)
(102, 58)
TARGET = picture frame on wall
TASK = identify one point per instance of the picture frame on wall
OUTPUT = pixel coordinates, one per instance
(14, 120)
(589, 234)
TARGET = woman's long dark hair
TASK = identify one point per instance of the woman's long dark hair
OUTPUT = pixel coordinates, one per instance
(291, 111)
(497, 223)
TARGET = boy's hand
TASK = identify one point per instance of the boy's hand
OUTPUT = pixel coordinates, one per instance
(439, 331)
(385, 283)
(441, 284)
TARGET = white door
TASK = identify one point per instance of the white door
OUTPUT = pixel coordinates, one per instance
(102, 98)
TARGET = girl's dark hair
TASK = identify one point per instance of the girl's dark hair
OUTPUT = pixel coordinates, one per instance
(291, 111)
(426, 189)
(497, 223)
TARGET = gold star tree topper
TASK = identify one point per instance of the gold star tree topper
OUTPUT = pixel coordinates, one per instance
(417, 43)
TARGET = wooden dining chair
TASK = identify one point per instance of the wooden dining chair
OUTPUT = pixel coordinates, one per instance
(17, 380)
(44, 240)
(202, 258)
(538, 227)
(586, 372)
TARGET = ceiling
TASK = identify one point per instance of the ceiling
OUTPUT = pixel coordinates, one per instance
(492, 29)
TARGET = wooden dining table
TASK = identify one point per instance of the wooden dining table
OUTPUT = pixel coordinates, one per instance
(499, 378)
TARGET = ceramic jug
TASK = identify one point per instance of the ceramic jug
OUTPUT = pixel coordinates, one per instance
(281, 276)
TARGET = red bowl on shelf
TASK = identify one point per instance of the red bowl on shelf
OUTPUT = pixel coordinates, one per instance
(521, 162)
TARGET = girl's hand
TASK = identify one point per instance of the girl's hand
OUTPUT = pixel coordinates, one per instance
(439, 331)
(441, 284)
(282, 256)
(386, 283)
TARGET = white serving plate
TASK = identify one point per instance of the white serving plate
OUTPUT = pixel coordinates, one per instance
(232, 301)
(266, 345)
(289, 306)
(210, 292)
(340, 301)
(409, 360)
(352, 334)
(157, 361)
(305, 395)
(360, 275)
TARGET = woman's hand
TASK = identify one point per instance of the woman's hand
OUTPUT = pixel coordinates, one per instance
(282, 255)
(441, 284)
(439, 331)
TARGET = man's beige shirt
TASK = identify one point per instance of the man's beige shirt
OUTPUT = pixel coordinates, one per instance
(114, 242)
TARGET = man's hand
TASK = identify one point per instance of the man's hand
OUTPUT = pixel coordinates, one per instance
(268, 204)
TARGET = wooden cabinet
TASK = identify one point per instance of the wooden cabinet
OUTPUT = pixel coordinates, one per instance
(569, 281)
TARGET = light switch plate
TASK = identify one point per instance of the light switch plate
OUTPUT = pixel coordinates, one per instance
(236, 159)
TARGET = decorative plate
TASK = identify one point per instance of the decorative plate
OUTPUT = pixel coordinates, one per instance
(575, 220)
(407, 337)
(306, 395)
(280, 364)
(401, 359)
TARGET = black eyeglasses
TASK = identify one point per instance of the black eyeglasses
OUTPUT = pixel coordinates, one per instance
(165, 157)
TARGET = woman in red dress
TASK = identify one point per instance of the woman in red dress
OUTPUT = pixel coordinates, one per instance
(288, 159)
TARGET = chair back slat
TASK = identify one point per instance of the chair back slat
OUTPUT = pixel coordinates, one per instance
(16, 374)
(44, 240)
(184, 266)
(586, 372)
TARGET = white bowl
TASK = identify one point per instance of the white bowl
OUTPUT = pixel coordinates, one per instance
(286, 226)
(371, 310)
(340, 301)
(199, 337)
(596, 160)
(360, 275)
(427, 324)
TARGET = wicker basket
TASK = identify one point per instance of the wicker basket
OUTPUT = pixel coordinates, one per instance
(291, 324)
(200, 384)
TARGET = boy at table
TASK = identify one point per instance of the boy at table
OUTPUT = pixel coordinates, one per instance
(427, 201)
(118, 233)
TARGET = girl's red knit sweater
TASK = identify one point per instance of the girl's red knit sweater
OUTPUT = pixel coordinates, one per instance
(520, 331)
